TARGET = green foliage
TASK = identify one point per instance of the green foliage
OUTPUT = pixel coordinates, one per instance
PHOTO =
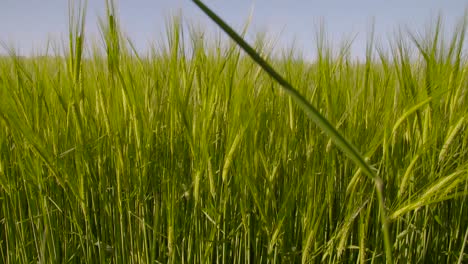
(197, 157)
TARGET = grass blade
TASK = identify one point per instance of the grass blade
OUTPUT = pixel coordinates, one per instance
(312, 113)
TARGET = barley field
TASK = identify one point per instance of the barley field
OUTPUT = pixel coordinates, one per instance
(192, 153)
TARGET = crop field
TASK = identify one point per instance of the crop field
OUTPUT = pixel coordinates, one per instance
(193, 153)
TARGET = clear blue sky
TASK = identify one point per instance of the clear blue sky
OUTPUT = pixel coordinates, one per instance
(28, 24)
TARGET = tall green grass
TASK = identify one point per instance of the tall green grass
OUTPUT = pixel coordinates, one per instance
(197, 157)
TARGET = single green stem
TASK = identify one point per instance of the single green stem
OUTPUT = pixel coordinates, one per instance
(313, 114)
